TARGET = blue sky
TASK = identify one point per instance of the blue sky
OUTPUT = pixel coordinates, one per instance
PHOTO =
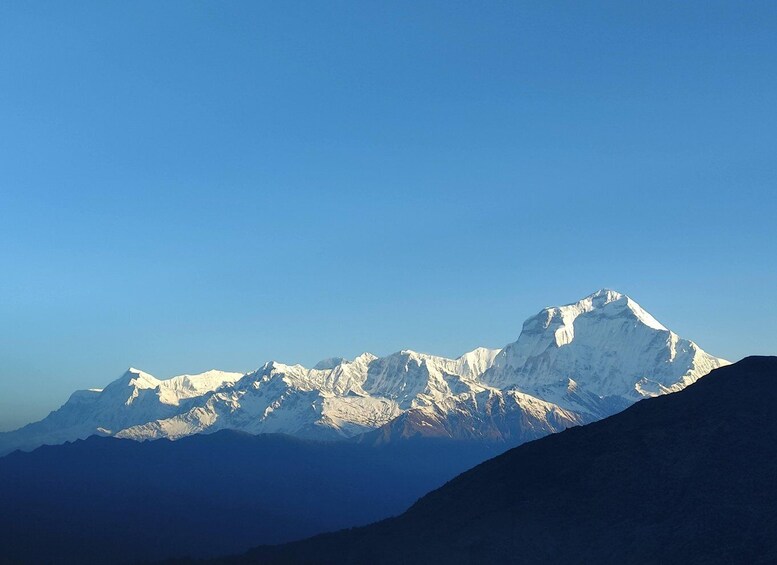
(188, 185)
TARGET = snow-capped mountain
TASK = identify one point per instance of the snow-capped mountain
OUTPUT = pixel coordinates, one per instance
(597, 356)
(134, 398)
(570, 365)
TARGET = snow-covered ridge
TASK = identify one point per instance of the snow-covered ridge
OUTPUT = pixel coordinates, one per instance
(571, 364)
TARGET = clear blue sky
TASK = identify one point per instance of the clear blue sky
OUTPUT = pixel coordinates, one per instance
(188, 185)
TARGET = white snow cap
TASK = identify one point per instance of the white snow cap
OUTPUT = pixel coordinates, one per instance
(605, 303)
(605, 296)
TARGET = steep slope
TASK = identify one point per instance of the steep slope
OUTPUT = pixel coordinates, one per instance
(570, 365)
(683, 478)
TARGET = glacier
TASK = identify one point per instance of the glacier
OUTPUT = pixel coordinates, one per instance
(570, 365)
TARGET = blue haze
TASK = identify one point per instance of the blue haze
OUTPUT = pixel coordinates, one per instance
(188, 185)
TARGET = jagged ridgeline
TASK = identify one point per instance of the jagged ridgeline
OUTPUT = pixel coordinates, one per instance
(570, 365)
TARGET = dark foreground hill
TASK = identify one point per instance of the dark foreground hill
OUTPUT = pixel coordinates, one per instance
(107, 500)
(685, 478)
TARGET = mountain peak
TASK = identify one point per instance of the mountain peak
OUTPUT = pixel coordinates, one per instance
(133, 376)
(606, 294)
(365, 358)
(615, 303)
(606, 343)
(328, 363)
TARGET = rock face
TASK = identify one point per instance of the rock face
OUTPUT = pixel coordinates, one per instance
(570, 365)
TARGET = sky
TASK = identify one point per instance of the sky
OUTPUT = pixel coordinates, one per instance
(190, 185)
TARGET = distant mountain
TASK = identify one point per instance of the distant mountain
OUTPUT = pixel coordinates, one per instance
(570, 365)
(108, 500)
(684, 478)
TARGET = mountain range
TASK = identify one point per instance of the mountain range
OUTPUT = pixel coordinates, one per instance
(215, 463)
(570, 365)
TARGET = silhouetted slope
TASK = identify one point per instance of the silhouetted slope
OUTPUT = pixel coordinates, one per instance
(688, 477)
(107, 500)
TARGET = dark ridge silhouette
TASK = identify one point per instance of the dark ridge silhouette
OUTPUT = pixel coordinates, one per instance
(689, 477)
(107, 500)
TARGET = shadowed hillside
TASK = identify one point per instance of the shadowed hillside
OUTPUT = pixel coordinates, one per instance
(687, 477)
(107, 500)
